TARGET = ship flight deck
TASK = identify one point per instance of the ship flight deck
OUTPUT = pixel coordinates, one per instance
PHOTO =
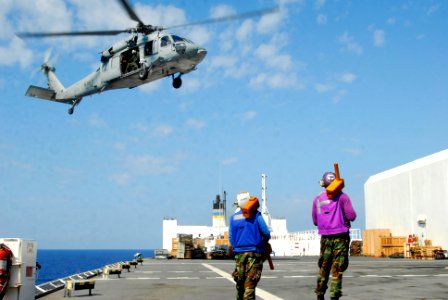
(293, 278)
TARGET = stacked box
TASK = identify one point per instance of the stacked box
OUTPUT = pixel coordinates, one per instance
(222, 242)
(372, 241)
(174, 244)
(184, 237)
(393, 246)
(198, 243)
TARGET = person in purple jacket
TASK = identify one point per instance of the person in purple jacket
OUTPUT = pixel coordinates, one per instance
(332, 218)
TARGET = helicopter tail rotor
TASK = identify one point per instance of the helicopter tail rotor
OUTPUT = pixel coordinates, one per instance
(49, 61)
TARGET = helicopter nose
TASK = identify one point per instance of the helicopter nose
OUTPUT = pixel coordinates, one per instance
(201, 53)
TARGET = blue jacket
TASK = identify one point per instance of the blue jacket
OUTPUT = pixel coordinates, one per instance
(248, 235)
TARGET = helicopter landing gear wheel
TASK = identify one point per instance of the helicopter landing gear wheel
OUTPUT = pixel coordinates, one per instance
(177, 82)
(74, 103)
(143, 74)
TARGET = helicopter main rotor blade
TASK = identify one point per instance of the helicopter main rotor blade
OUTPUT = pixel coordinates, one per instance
(130, 11)
(69, 33)
(246, 15)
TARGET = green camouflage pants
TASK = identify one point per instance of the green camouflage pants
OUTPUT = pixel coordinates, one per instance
(333, 257)
(248, 268)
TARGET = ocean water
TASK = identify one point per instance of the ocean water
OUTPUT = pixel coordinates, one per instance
(57, 264)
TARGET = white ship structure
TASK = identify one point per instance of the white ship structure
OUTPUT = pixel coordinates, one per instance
(284, 243)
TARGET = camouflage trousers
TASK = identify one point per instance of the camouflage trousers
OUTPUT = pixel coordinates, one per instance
(248, 268)
(333, 258)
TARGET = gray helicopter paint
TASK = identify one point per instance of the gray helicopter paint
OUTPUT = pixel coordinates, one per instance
(165, 61)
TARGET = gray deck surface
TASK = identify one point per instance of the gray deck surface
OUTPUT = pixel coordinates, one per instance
(366, 278)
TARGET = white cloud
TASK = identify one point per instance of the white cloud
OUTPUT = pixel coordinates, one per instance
(96, 121)
(120, 146)
(230, 161)
(229, 65)
(249, 115)
(159, 130)
(16, 53)
(245, 30)
(6, 30)
(269, 23)
(223, 61)
(349, 44)
(222, 11)
(90, 15)
(279, 80)
(339, 95)
(432, 9)
(200, 35)
(121, 179)
(15, 164)
(189, 85)
(420, 37)
(391, 21)
(149, 165)
(268, 53)
(347, 77)
(195, 123)
(151, 87)
(319, 4)
(352, 151)
(379, 38)
(162, 130)
(43, 15)
(323, 88)
(321, 19)
(184, 105)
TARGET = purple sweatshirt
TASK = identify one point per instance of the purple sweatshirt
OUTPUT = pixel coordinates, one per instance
(333, 216)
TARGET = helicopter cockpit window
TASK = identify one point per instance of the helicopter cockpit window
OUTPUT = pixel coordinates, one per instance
(177, 38)
(165, 41)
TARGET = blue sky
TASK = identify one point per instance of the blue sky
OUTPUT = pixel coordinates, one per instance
(363, 83)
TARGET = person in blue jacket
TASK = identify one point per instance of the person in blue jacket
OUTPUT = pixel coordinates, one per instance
(248, 238)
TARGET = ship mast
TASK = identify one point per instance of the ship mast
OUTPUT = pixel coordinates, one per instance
(264, 207)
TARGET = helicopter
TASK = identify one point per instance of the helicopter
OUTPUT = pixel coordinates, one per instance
(147, 54)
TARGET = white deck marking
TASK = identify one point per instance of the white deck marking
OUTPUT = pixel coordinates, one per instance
(183, 278)
(300, 276)
(180, 271)
(260, 293)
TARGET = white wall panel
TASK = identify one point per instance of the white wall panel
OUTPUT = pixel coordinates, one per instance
(397, 198)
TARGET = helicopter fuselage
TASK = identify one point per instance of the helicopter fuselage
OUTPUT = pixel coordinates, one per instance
(160, 55)
(134, 61)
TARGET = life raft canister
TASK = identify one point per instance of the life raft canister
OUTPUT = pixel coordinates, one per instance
(5, 268)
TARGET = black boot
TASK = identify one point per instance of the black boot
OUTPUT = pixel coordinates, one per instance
(334, 298)
(320, 297)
